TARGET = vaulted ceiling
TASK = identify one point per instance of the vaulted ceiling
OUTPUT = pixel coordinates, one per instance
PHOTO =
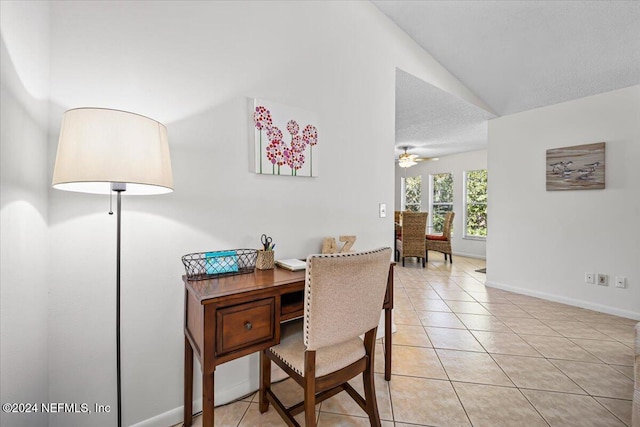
(515, 55)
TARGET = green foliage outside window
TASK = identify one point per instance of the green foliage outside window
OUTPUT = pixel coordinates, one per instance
(442, 200)
(476, 218)
(413, 193)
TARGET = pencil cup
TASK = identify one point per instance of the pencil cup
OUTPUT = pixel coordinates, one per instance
(265, 260)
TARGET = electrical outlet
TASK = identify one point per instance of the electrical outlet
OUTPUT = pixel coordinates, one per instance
(383, 210)
(590, 278)
(603, 280)
(621, 282)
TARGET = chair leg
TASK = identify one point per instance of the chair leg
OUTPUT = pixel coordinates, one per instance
(265, 382)
(451, 258)
(423, 262)
(403, 261)
(310, 389)
(370, 396)
(368, 380)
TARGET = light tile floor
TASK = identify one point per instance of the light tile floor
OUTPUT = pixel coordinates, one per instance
(469, 355)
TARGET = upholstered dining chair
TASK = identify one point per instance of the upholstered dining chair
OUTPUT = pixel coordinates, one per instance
(442, 243)
(343, 297)
(412, 242)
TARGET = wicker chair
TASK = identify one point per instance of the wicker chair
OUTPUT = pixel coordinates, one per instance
(397, 217)
(442, 243)
(323, 351)
(412, 242)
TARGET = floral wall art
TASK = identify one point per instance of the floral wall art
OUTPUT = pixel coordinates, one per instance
(580, 167)
(286, 140)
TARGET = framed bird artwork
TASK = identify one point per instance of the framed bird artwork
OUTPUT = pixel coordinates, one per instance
(580, 167)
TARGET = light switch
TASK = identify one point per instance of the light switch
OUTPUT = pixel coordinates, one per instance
(383, 210)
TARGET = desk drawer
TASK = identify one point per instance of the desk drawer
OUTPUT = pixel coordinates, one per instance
(243, 325)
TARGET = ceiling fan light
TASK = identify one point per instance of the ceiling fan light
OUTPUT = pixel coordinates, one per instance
(406, 162)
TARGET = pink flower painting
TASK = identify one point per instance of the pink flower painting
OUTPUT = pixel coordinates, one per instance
(291, 155)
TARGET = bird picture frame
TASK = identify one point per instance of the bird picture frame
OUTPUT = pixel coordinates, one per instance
(580, 167)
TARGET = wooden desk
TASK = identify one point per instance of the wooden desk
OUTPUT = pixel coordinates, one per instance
(230, 317)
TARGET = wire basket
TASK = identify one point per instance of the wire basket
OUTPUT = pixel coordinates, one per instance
(207, 265)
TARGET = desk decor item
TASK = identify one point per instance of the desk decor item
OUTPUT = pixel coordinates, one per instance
(329, 245)
(221, 262)
(265, 255)
(580, 167)
(207, 265)
(266, 260)
(292, 264)
(102, 151)
(267, 243)
(279, 154)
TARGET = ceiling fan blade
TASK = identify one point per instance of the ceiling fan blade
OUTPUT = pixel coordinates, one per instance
(407, 160)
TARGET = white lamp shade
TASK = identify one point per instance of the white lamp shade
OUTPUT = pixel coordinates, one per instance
(98, 147)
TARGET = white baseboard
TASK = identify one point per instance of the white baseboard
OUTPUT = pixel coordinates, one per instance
(476, 256)
(169, 418)
(176, 415)
(566, 300)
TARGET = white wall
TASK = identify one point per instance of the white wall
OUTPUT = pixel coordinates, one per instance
(455, 164)
(193, 66)
(23, 209)
(542, 242)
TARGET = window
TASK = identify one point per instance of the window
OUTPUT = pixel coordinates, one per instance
(413, 193)
(441, 200)
(475, 211)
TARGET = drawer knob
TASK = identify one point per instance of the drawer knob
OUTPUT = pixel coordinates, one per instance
(248, 326)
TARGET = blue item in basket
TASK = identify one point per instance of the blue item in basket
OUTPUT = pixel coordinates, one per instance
(221, 262)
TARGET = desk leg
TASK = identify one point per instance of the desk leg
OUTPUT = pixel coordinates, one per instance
(188, 383)
(265, 382)
(207, 399)
(388, 332)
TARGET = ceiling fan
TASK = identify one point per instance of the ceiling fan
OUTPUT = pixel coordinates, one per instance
(406, 160)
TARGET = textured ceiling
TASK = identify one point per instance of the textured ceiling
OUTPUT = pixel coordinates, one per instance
(520, 55)
(434, 122)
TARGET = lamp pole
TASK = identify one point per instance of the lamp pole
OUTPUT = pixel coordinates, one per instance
(119, 189)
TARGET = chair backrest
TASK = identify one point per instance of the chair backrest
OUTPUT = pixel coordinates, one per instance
(414, 225)
(343, 295)
(414, 228)
(448, 221)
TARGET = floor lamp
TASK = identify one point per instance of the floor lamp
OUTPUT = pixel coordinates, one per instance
(102, 151)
